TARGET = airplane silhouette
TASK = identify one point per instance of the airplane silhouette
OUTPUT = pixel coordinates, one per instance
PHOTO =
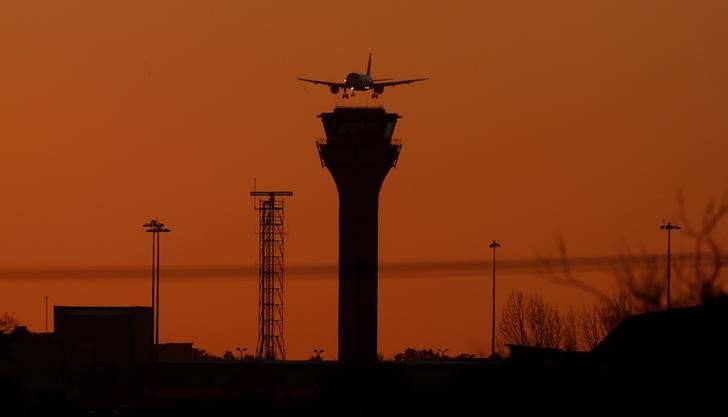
(362, 82)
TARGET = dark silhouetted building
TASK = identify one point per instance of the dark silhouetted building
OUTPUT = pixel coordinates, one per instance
(358, 151)
(687, 333)
(672, 357)
(106, 334)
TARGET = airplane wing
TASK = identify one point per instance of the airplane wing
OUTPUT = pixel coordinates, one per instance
(393, 83)
(329, 83)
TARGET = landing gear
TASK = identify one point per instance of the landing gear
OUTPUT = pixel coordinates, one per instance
(375, 95)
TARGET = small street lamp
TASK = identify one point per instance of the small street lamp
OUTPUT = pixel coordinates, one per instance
(242, 351)
(318, 353)
(442, 354)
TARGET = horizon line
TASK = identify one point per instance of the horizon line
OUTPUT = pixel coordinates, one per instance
(408, 270)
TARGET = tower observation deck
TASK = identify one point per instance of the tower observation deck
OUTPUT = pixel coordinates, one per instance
(358, 151)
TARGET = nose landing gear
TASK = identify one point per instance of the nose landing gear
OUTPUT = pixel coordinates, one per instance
(347, 93)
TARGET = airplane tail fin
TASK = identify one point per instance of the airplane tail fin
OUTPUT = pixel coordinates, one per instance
(369, 64)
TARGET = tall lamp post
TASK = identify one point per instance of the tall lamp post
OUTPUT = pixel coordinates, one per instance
(669, 227)
(494, 244)
(442, 354)
(155, 228)
(46, 313)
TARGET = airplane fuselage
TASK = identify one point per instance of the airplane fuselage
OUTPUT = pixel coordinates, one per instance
(358, 82)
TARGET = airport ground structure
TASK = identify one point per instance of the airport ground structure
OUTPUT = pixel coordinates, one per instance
(674, 357)
(100, 360)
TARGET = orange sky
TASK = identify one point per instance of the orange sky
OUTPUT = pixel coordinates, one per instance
(540, 118)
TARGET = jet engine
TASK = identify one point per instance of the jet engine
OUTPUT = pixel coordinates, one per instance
(334, 89)
(379, 89)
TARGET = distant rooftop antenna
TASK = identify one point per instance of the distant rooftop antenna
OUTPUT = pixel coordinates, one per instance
(270, 263)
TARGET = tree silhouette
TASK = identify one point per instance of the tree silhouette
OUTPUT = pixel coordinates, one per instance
(513, 326)
(571, 341)
(640, 277)
(708, 253)
(202, 354)
(544, 323)
(464, 357)
(8, 323)
(591, 332)
(530, 322)
(597, 322)
(414, 355)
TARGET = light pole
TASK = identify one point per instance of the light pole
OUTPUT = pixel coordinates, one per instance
(155, 228)
(318, 353)
(494, 244)
(669, 227)
(241, 352)
(46, 313)
(442, 354)
(151, 226)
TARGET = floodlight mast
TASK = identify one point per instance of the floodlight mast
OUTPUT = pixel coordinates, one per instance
(270, 344)
(155, 227)
(669, 227)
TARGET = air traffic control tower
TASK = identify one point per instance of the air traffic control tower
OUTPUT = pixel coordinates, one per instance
(358, 151)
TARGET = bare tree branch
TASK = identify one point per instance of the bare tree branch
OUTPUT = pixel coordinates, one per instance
(560, 271)
(589, 327)
(639, 278)
(705, 283)
(512, 326)
(571, 341)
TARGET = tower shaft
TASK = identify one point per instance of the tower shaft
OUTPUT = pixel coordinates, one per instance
(358, 151)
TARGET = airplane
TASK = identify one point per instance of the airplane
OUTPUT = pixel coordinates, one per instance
(362, 82)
